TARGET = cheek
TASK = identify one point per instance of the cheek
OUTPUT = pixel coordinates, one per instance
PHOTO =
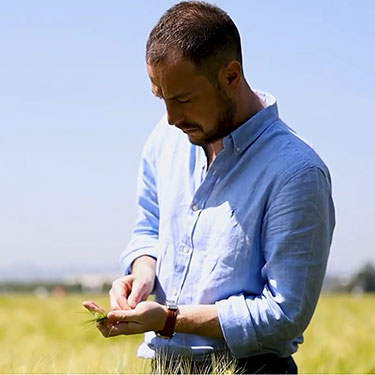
(204, 113)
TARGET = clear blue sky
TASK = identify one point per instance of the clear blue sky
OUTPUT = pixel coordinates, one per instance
(76, 108)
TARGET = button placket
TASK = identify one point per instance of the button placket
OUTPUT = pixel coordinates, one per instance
(183, 258)
(184, 255)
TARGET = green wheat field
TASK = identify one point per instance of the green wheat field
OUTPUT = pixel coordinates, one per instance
(49, 336)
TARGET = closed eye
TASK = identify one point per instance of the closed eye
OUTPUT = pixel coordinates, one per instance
(183, 101)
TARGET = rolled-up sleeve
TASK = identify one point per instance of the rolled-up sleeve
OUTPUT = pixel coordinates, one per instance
(145, 235)
(296, 235)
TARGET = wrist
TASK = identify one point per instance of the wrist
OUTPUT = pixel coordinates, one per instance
(144, 268)
(143, 265)
(163, 320)
(167, 330)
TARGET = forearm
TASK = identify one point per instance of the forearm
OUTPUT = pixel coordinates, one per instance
(198, 320)
(151, 316)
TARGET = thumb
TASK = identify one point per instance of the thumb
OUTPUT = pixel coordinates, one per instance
(135, 296)
(121, 315)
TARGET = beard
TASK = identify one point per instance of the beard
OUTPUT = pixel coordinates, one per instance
(222, 126)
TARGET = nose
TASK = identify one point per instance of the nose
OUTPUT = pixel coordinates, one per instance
(174, 114)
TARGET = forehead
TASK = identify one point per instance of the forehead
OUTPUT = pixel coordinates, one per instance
(175, 76)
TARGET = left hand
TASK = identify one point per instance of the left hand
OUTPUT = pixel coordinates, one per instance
(146, 316)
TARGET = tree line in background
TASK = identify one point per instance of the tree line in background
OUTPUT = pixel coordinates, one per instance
(362, 281)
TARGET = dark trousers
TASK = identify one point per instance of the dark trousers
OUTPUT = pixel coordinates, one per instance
(261, 364)
(267, 364)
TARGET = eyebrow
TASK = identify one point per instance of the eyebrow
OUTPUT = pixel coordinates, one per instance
(175, 97)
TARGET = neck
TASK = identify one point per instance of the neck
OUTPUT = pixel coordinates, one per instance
(248, 104)
(212, 150)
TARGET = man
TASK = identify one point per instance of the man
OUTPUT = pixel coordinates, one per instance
(235, 211)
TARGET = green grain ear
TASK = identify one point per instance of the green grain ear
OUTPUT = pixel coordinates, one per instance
(98, 317)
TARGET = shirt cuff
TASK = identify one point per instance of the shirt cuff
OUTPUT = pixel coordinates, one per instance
(128, 257)
(237, 328)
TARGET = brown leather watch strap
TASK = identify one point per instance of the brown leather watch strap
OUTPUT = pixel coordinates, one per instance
(170, 323)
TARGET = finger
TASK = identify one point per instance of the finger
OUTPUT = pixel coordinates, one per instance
(118, 302)
(93, 307)
(137, 294)
(120, 328)
(108, 329)
(113, 300)
(120, 291)
(105, 328)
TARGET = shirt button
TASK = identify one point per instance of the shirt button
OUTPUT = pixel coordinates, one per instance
(174, 293)
(238, 149)
(195, 207)
(186, 250)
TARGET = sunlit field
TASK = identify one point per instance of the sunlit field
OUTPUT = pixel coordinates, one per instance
(49, 335)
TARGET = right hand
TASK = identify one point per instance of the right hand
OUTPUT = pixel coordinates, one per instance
(128, 291)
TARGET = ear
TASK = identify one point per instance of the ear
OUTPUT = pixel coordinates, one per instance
(230, 76)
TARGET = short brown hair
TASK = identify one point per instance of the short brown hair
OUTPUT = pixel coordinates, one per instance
(204, 34)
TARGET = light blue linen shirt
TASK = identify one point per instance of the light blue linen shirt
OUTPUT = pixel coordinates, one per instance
(251, 233)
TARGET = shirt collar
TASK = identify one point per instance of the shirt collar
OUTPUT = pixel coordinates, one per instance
(242, 137)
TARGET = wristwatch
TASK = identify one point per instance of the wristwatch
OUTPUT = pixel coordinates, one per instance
(168, 331)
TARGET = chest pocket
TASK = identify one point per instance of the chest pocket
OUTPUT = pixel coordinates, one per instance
(219, 235)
